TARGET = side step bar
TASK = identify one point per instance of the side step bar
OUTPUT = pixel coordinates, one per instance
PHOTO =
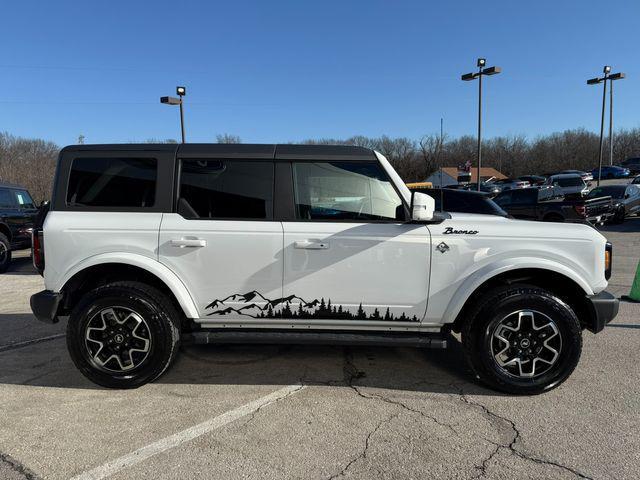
(319, 337)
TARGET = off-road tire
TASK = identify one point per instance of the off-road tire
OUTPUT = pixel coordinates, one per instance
(496, 305)
(619, 215)
(5, 253)
(160, 315)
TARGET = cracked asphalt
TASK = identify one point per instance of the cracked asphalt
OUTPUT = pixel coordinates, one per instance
(363, 412)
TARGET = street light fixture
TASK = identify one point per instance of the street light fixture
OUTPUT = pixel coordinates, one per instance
(482, 71)
(181, 92)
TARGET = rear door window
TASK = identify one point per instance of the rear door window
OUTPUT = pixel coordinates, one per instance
(112, 182)
(24, 199)
(226, 189)
(7, 200)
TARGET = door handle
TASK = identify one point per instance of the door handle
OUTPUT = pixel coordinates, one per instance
(189, 242)
(311, 245)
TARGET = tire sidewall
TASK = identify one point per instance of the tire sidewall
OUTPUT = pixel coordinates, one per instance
(162, 341)
(4, 244)
(567, 324)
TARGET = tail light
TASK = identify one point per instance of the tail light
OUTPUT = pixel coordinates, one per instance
(37, 250)
(580, 210)
(608, 260)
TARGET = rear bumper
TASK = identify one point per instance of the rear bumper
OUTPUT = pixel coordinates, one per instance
(44, 305)
(604, 309)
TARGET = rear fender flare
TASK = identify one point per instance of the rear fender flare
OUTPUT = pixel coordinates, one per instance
(163, 273)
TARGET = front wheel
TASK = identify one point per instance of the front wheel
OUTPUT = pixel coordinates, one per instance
(522, 339)
(5, 253)
(619, 215)
(123, 335)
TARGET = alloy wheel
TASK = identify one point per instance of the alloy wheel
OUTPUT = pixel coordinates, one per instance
(117, 339)
(526, 343)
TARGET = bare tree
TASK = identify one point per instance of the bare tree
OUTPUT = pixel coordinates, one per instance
(228, 138)
(29, 163)
(432, 152)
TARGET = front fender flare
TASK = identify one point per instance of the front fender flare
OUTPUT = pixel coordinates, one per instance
(162, 272)
(487, 272)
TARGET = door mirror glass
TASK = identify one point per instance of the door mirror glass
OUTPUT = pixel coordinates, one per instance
(422, 207)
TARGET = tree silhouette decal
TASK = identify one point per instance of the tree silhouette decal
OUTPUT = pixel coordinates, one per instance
(255, 305)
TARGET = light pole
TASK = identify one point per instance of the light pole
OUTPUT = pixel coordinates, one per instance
(482, 70)
(612, 77)
(594, 81)
(181, 92)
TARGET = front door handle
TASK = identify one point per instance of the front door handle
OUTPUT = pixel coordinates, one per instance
(311, 245)
(189, 242)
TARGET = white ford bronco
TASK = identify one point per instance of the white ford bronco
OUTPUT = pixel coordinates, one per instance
(145, 245)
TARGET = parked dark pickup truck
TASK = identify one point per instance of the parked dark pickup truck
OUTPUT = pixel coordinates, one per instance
(17, 213)
(547, 205)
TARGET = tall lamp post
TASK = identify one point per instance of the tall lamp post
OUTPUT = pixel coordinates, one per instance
(482, 71)
(594, 81)
(181, 92)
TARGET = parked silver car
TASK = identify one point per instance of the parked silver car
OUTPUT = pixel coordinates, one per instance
(569, 183)
(586, 176)
(508, 184)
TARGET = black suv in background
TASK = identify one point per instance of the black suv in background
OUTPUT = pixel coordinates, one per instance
(17, 214)
(548, 204)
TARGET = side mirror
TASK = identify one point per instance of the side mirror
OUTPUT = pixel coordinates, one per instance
(422, 207)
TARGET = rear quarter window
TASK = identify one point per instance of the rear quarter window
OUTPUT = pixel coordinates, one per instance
(112, 182)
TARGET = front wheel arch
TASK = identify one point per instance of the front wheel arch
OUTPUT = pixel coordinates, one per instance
(560, 285)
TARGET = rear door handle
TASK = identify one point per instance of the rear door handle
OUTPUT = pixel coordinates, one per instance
(311, 245)
(189, 242)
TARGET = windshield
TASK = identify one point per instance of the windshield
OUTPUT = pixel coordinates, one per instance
(614, 191)
(570, 182)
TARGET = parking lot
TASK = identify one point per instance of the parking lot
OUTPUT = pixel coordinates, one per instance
(316, 412)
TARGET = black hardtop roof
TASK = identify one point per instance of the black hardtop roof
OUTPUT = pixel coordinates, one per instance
(10, 185)
(238, 150)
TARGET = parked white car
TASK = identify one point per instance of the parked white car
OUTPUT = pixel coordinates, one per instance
(147, 244)
(569, 183)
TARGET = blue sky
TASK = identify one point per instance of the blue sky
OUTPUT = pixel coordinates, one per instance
(275, 71)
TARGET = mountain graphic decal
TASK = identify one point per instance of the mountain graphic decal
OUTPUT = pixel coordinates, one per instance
(255, 305)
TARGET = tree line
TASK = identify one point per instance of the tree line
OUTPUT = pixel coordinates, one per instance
(31, 162)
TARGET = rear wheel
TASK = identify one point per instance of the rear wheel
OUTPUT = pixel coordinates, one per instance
(522, 340)
(5, 253)
(123, 335)
(619, 215)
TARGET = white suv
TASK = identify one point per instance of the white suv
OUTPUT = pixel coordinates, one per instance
(147, 244)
